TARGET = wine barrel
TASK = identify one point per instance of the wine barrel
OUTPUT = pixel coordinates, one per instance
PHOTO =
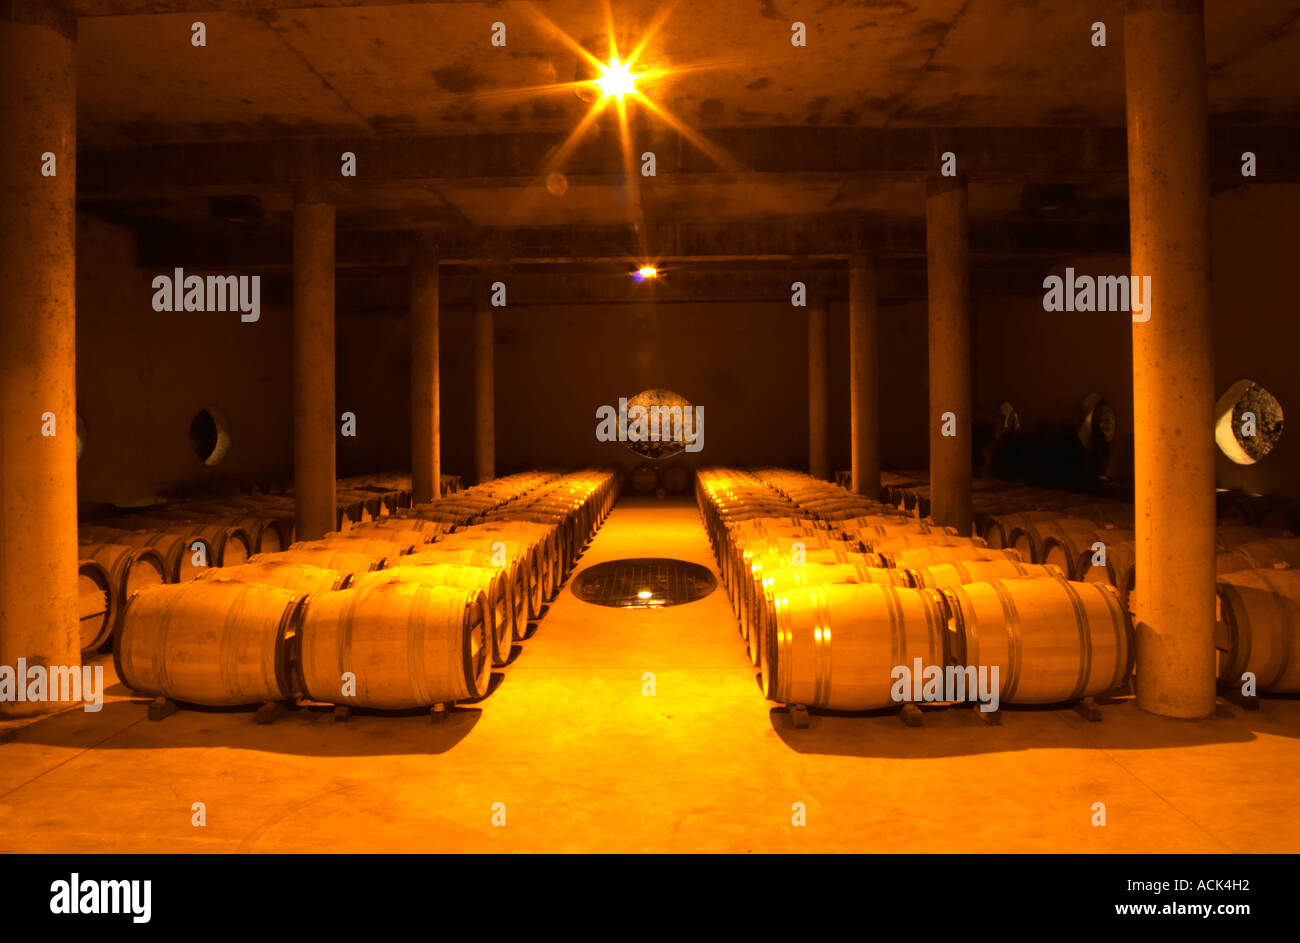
(517, 587)
(300, 577)
(552, 541)
(327, 558)
(384, 550)
(850, 510)
(572, 530)
(1231, 536)
(178, 558)
(1271, 553)
(1232, 562)
(735, 556)
(1259, 629)
(1052, 640)
(405, 536)
(267, 533)
(226, 546)
(836, 645)
(1069, 543)
(676, 478)
(491, 582)
(756, 566)
(1120, 569)
(97, 604)
(929, 556)
(129, 569)
(879, 526)
(644, 480)
(531, 565)
(221, 644)
(998, 529)
(1029, 538)
(911, 541)
(407, 644)
(758, 612)
(429, 530)
(960, 572)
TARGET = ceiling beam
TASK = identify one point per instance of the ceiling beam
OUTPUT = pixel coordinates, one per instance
(1019, 155)
(262, 248)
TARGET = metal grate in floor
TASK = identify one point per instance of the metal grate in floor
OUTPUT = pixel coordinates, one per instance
(643, 583)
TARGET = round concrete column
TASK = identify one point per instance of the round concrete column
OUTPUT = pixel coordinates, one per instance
(313, 366)
(1173, 375)
(485, 432)
(818, 465)
(38, 425)
(948, 278)
(426, 422)
(864, 376)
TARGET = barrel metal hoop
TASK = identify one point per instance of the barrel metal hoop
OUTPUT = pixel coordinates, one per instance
(1011, 624)
(344, 644)
(1085, 640)
(1279, 597)
(822, 646)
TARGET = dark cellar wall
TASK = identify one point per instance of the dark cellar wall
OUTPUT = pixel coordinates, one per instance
(1255, 232)
(143, 375)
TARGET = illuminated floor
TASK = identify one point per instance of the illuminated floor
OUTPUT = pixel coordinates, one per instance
(583, 761)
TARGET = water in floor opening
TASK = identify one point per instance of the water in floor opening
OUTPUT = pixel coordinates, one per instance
(643, 583)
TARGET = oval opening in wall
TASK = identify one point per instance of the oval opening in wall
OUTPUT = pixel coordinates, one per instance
(209, 435)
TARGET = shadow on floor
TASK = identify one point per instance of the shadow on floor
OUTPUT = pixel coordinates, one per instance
(301, 731)
(958, 732)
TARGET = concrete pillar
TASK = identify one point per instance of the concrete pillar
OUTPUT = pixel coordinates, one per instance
(38, 471)
(426, 421)
(485, 431)
(947, 240)
(314, 418)
(864, 376)
(1173, 374)
(818, 465)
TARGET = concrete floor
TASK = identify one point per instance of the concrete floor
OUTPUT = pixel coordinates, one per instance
(583, 761)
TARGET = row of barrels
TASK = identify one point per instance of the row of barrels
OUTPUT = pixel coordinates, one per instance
(834, 591)
(782, 538)
(911, 491)
(177, 541)
(673, 478)
(1257, 564)
(399, 613)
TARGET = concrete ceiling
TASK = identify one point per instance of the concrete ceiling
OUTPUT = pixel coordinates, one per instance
(428, 68)
(454, 134)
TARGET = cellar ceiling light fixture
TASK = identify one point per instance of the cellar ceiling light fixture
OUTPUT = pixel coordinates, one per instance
(644, 272)
(616, 79)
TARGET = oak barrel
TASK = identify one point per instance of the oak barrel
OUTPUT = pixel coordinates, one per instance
(129, 569)
(221, 644)
(407, 644)
(1052, 640)
(836, 644)
(97, 602)
(488, 580)
(329, 558)
(301, 577)
(516, 586)
(1260, 618)
(960, 572)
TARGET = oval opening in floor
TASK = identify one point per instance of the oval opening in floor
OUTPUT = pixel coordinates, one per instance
(643, 583)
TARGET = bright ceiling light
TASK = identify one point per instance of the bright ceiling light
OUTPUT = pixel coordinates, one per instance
(644, 272)
(616, 79)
